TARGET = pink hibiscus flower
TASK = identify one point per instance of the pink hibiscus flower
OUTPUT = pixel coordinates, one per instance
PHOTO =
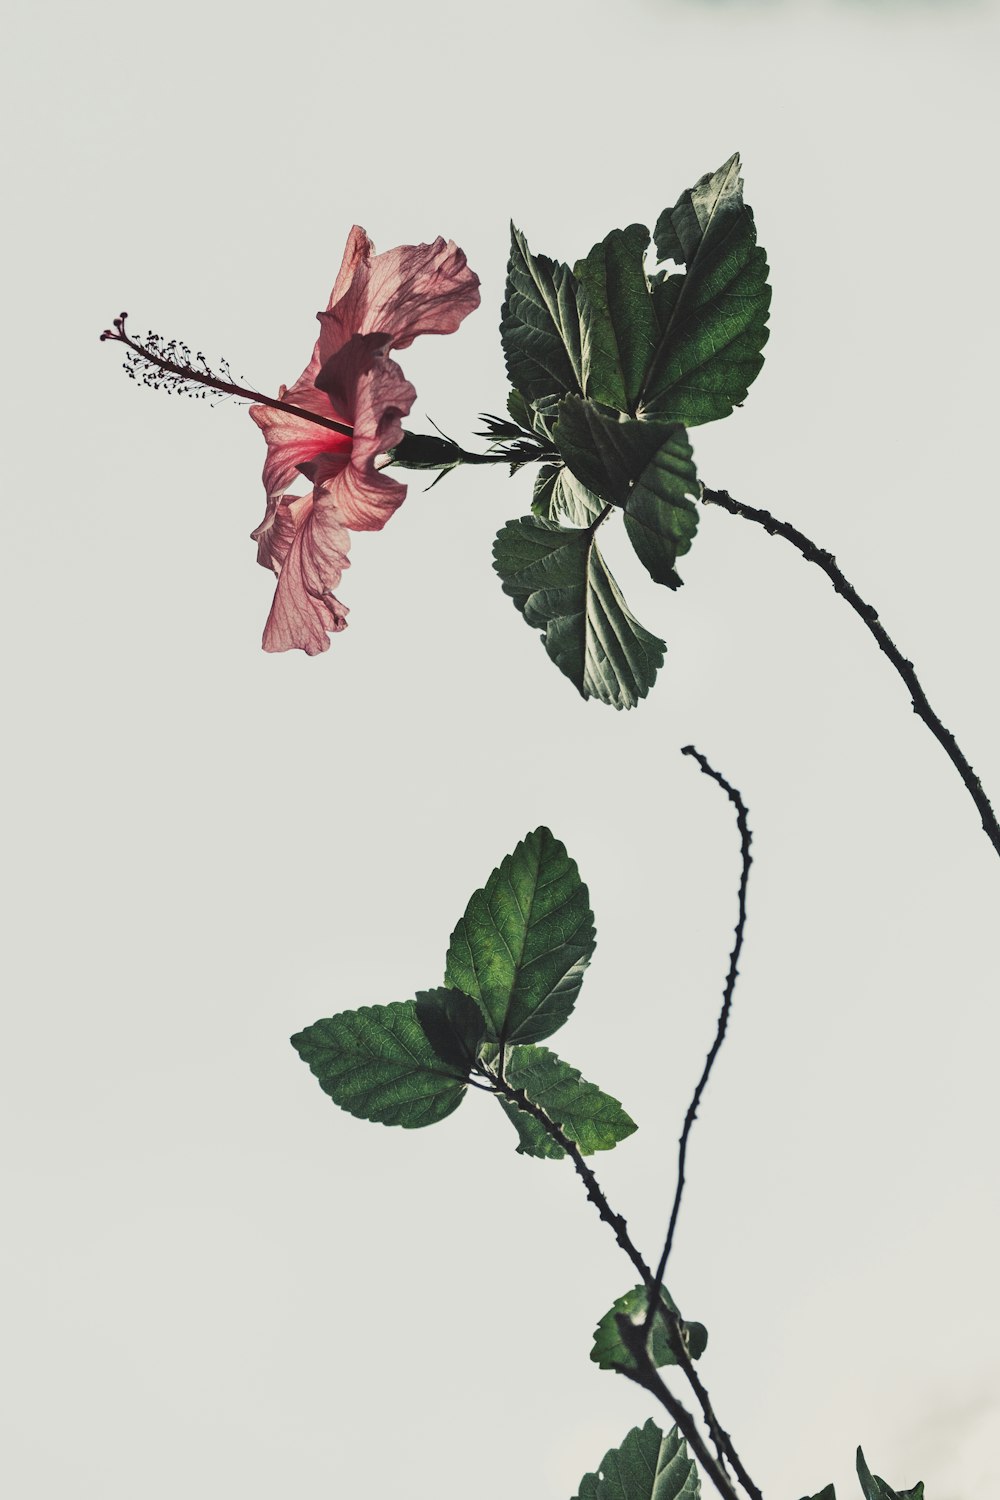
(360, 395)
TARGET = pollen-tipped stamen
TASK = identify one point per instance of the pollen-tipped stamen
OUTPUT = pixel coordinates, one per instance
(171, 367)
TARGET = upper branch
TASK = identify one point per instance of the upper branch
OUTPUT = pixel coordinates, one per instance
(869, 615)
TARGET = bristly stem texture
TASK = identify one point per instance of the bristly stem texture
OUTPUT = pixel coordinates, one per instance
(727, 1000)
(869, 615)
(646, 1375)
(721, 1438)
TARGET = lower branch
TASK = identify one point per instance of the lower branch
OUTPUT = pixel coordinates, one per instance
(646, 1374)
(646, 1377)
(595, 1193)
(869, 615)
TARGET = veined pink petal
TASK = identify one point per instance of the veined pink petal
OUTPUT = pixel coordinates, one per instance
(304, 542)
(403, 293)
(359, 249)
(378, 303)
(292, 441)
(417, 289)
(380, 396)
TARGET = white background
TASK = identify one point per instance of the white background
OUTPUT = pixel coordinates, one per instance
(220, 1285)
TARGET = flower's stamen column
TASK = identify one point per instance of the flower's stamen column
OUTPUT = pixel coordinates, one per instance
(170, 373)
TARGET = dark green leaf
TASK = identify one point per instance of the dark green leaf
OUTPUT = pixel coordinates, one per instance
(540, 323)
(876, 1489)
(644, 466)
(559, 496)
(612, 1353)
(712, 319)
(561, 584)
(594, 1120)
(453, 1024)
(646, 1466)
(660, 516)
(519, 410)
(377, 1063)
(606, 454)
(525, 939)
(618, 324)
(826, 1494)
(544, 412)
(533, 1137)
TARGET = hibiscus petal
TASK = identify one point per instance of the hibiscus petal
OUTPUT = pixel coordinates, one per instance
(363, 377)
(302, 539)
(378, 302)
(417, 289)
(403, 293)
(359, 249)
(293, 441)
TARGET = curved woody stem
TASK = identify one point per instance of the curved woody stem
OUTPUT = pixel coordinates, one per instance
(645, 1374)
(727, 1003)
(723, 1441)
(870, 618)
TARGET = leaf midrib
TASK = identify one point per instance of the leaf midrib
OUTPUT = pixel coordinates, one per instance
(685, 284)
(525, 919)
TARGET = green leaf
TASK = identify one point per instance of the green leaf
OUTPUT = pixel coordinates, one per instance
(454, 1025)
(713, 318)
(544, 412)
(876, 1489)
(826, 1494)
(562, 586)
(611, 1352)
(519, 410)
(559, 496)
(644, 466)
(617, 321)
(540, 323)
(534, 1139)
(525, 939)
(605, 453)
(594, 1120)
(646, 1466)
(378, 1064)
(661, 518)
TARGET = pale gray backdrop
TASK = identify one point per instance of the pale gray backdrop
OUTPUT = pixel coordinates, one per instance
(219, 1284)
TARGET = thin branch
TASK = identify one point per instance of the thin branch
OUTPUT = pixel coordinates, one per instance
(727, 1003)
(724, 1445)
(615, 1221)
(645, 1375)
(723, 1442)
(869, 615)
(721, 1439)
